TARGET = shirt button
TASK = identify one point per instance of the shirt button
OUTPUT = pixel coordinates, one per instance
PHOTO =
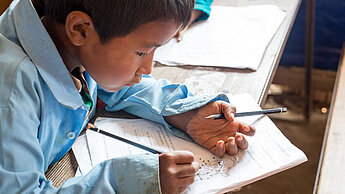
(71, 135)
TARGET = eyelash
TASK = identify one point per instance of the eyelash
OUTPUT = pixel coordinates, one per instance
(141, 54)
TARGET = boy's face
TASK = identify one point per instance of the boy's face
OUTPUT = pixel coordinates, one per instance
(121, 61)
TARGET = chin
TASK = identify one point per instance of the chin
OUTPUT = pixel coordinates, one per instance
(112, 89)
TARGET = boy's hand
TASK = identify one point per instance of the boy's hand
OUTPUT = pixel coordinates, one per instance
(176, 171)
(219, 136)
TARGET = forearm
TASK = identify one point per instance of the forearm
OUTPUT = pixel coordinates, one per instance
(180, 121)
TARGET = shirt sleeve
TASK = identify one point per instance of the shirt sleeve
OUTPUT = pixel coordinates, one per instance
(23, 161)
(130, 174)
(153, 100)
(205, 7)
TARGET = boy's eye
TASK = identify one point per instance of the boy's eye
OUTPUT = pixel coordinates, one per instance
(141, 54)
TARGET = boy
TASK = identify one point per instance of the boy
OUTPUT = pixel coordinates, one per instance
(47, 97)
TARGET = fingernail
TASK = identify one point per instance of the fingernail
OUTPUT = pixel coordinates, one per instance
(246, 128)
(232, 141)
(220, 149)
(221, 145)
(232, 115)
(239, 138)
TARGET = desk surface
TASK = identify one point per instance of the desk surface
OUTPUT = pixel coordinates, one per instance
(236, 82)
(243, 81)
(331, 173)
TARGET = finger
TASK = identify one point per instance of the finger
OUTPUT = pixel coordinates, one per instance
(252, 131)
(241, 142)
(229, 110)
(245, 129)
(185, 181)
(220, 148)
(231, 146)
(183, 157)
(186, 170)
(181, 189)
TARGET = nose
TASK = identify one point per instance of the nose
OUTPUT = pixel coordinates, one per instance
(146, 65)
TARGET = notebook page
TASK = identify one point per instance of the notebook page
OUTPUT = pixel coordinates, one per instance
(269, 151)
(81, 153)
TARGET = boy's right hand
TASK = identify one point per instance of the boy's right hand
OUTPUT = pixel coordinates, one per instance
(177, 171)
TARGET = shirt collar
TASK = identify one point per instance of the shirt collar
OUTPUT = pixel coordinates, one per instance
(40, 48)
(77, 75)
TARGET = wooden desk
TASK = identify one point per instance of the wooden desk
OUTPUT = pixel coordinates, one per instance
(244, 81)
(237, 81)
(330, 176)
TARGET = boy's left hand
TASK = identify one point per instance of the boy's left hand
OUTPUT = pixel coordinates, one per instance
(222, 135)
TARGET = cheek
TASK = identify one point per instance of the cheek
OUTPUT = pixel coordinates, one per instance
(112, 72)
(110, 69)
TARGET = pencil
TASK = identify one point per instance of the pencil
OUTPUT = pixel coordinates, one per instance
(154, 151)
(251, 113)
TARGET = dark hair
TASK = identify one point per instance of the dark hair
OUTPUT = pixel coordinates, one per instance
(115, 18)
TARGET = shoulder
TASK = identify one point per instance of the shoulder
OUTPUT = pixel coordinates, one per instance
(18, 75)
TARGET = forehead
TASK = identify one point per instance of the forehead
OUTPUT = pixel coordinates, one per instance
(154, 33)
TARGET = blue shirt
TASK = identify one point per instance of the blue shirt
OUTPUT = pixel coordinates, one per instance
(42, 113)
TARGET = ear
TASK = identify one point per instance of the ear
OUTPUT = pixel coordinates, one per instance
(79, 27)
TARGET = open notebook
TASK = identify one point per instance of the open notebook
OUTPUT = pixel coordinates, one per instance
(269, 150)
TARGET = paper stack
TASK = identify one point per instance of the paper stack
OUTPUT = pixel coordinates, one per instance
(234, 37)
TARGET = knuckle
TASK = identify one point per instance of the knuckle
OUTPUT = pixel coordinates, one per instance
(193, 170)
(172, 172)
(179, 174)
(187, 172)
(233, 107)
(169, 155)
(190, 156)
(192, 179)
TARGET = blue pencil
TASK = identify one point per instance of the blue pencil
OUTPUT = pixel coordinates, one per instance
(154, 151)
(251, 113)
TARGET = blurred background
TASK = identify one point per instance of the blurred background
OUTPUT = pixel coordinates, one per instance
(289, 89)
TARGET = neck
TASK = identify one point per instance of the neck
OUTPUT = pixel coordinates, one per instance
(65, 48)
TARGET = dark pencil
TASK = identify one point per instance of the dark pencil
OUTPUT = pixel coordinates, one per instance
(154, 151)
(251, 113)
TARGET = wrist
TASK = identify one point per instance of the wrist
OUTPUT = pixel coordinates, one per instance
(181, 120)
